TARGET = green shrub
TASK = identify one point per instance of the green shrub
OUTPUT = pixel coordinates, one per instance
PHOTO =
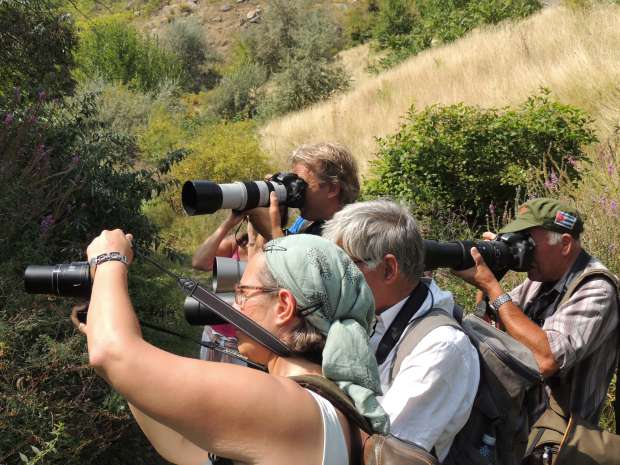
(239, 92)
(469, 159)
(359, 20)
(66, 176)
(185, 38)
(302, 83)
(295, 44)
(406, 27)
(36, 54)
(114, 50)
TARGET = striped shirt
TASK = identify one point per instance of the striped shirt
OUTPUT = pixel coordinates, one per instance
(583, 334)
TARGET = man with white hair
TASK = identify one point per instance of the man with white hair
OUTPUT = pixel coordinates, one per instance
(429, 397)
(566, 311)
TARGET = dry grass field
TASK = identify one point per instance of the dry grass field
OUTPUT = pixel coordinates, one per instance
(573, 52)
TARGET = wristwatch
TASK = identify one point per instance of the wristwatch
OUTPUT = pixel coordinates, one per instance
(501, 300)
(106, 257)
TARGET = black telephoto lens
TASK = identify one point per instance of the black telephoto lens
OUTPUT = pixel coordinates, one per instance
(65, 280)
(197, 314)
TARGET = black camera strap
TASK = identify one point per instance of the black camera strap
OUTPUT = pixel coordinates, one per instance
(211, 301)
(400, 323)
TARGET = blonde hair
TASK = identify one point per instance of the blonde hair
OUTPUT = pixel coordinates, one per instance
(331, 163)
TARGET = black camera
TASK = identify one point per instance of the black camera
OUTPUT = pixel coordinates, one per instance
(200, 197)
(510, 251)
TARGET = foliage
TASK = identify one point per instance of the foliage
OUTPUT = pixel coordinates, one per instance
(114, 50)
(457, 156)
(359, 20)
(301, 83)
(65, 176)
(37, 40)
(239, 92)
(295, 44)
(406, 27)
(185, 38)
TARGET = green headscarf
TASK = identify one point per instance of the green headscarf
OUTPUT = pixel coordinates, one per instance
(333, 296)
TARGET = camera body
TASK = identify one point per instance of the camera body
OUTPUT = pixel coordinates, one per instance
(201, 197)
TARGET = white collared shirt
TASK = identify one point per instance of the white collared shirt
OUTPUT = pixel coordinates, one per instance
(433, 393)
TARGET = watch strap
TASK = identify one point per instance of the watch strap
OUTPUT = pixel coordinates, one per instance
(499, 301)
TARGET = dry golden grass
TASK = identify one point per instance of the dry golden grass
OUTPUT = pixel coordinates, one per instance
(575, 53)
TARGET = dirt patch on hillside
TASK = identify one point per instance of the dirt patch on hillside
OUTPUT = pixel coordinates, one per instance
(223, 20)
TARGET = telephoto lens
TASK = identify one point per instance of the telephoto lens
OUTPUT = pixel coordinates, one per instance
(511, 251)
(65, 279)
(201, 197)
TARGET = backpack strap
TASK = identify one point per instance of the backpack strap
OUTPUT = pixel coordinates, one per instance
(336, 396)
(580, 279)
(415, 332)
(574, 285)
(330, 391)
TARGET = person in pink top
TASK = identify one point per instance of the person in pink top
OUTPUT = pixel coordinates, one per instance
(223, 243)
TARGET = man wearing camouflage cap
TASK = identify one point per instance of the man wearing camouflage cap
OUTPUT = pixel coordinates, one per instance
(566, 311)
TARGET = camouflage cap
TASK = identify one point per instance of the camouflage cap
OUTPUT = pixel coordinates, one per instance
(550, 214)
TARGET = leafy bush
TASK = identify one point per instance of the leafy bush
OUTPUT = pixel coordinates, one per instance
(301, 83)
(185, 38)
(295, 44)
(66, 175)
(114, 50)
(358, 21)
(406, 27)
(36, 54)
(468, 158)
(239, 92)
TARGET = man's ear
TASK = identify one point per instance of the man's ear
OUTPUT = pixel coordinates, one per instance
(334, 189)
(567, 244)
(391, 268)
(285, 311)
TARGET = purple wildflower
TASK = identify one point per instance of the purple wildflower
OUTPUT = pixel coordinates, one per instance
(552, 182)
(46, 223)
(8, 119)
(610, 169)
(613, 206)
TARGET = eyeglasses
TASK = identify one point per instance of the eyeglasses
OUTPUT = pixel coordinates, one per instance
(241, 297)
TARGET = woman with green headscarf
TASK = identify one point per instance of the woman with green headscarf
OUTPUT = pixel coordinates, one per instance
(302, 289)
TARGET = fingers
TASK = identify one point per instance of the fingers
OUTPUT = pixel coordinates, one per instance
(489, 236)
(111, 241)
(274, 216)
(475, 254)
(75, 319)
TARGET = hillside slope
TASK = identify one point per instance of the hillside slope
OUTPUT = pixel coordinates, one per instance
(574, 53)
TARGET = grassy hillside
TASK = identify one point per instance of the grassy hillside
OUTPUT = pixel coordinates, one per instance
(573, 52)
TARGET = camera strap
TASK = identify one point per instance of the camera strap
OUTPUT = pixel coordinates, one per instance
(211, 301)
(400, 323)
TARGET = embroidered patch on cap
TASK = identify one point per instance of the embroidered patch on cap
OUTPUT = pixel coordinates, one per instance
(564, 219)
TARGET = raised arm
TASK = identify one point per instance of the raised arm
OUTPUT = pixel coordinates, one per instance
(217, 244)
(516, 323)
(232, 411)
